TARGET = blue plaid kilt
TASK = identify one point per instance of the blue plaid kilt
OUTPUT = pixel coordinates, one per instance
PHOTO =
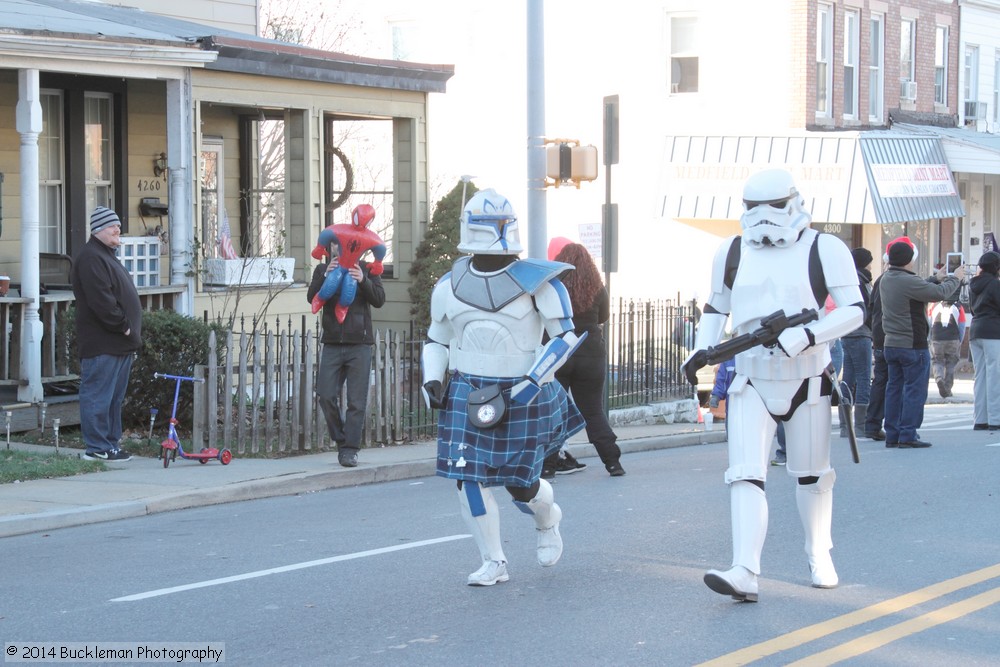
(510, 454)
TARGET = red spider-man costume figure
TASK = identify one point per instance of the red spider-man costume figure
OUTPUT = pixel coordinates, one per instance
(352, 241)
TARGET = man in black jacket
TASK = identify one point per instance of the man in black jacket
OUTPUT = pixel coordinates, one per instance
(346, 357)
(108, 333)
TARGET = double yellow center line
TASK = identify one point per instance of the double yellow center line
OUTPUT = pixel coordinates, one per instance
(877, 639)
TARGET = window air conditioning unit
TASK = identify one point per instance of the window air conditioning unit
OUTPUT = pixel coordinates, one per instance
(908, 90)
(975, 110)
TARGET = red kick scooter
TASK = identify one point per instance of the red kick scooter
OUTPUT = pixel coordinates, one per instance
(171, 447)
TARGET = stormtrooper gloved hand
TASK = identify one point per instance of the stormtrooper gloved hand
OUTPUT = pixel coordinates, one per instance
(794, 340)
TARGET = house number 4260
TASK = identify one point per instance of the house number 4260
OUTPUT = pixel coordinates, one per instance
(148, 185)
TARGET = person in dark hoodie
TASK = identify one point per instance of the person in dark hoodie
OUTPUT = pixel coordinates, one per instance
(984, 342)
(108, 334)
(347, 355)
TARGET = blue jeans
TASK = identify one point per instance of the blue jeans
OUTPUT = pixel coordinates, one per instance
(906, 392)
(103, 380)
(340, 364)
(858, 368)
(837, 356)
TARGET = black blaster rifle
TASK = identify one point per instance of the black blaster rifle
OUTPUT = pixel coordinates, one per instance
(771, 327)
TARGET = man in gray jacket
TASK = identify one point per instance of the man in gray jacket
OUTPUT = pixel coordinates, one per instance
(904, 297)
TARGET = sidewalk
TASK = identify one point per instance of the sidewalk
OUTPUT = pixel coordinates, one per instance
(143, 486)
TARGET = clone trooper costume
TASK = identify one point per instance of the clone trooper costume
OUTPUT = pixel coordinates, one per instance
(488, 316)
(779, 263)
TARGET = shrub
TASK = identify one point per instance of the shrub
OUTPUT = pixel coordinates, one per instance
(437, 252)
(171, 343)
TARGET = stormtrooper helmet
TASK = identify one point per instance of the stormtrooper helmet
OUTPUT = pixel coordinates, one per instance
(489, 226)
(362, 215)
(774, 212)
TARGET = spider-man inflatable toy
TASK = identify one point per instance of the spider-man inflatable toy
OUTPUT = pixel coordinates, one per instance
(352, 241)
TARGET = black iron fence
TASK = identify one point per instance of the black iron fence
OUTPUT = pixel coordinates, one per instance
(259, 394)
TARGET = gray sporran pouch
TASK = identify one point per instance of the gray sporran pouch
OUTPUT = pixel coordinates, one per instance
(486, 407)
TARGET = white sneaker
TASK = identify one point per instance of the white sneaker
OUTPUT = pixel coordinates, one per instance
(491, 572)
(737, 582)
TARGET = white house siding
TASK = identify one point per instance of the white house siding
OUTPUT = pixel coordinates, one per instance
(238, 15)
(980, 26)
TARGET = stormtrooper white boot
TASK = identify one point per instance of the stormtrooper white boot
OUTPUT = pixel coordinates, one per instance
(748, 508)
(815, 505)
(485, 531)
(547, 516)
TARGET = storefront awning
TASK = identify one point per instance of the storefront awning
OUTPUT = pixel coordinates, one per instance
(909, 178)
(703, 176)
(967, 151)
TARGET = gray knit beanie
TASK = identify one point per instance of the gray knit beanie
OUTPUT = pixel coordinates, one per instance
(103, 217)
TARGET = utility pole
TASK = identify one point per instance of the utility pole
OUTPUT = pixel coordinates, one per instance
(537, 223)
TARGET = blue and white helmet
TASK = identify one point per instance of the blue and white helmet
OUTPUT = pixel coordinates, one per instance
(774, 211)
(489, 226)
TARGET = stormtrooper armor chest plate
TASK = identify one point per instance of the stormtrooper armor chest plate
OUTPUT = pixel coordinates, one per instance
(771, 279)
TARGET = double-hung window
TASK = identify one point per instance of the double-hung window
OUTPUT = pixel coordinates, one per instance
(907, 60)
(851, 57)
(941, 65)
(876, 68)
(683, 54)
(824, 61)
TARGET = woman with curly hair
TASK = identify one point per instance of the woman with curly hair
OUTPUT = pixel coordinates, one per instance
(586, 371)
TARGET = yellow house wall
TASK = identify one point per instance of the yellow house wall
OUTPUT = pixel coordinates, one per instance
(215, 93)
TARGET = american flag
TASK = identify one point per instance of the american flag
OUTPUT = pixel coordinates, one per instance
(225, 240)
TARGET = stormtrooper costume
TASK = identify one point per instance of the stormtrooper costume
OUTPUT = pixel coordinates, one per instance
(488, 316)
(779, 263)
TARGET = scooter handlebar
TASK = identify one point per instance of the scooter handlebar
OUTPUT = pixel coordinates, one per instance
(177, 377)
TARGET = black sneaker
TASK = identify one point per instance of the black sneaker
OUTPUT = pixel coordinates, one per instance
(348, 458)
(913, 444)
(568, 465)
(615, 469)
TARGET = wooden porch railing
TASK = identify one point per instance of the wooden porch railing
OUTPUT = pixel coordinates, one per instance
(55, 353)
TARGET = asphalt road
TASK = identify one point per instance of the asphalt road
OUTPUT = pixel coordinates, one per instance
(375, 575)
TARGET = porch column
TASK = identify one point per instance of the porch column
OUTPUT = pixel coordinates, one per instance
(180, 156)
(29, 126)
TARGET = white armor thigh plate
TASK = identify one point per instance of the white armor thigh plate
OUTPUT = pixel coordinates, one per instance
(750, 429)
(500, 344)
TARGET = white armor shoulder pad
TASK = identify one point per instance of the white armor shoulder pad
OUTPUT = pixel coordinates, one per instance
(838, 265)
(440, 329)
(719, 298)
(553, 304)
